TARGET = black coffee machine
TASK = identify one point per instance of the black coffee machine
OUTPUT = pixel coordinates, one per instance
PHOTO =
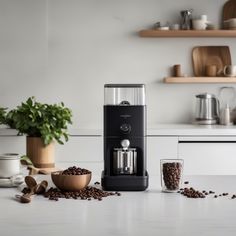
(124, 138)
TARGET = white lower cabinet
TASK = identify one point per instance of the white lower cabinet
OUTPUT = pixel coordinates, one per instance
(81, 149)
(160, 148)
(213, 155)
(208, 157)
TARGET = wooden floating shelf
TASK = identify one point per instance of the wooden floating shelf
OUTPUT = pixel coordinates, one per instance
(187, 33)
(199, 80)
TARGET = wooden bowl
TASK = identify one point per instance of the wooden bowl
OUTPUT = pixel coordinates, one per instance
(70, 182)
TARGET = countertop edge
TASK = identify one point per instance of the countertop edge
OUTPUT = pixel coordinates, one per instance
(159, 130)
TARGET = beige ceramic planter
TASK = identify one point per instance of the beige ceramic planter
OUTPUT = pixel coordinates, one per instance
(42, 156)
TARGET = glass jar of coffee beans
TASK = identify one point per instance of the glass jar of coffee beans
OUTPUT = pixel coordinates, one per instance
(171, 174)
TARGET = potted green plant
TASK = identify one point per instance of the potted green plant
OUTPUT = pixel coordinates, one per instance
(43, 124)
(2, 115)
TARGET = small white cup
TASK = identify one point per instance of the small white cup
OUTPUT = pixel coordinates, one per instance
(230, 71)
(199, 24)
(9, 165)
(203, 17)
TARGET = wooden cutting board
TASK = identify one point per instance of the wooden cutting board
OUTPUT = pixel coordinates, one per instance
(210, 55)
(229, 10)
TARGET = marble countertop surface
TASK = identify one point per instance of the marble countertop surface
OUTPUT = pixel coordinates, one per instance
(151, 212)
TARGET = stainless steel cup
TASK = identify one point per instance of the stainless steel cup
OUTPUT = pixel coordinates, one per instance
(124, 161)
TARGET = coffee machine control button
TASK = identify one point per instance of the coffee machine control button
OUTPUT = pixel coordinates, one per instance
(126, 128)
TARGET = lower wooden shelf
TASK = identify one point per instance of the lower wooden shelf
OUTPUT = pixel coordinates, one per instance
(186, 33)
(199, 80)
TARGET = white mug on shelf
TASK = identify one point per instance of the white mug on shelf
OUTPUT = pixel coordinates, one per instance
(199, 24)
(230, 71)
(204, 18)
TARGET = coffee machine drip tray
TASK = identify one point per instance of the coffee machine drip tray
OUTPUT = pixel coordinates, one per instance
(125, 182)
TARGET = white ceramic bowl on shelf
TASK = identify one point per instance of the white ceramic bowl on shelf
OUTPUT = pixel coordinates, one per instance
(230, 24)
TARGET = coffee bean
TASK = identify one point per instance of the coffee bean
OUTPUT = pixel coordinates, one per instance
(192, 193)
(172, 175)
(85, 194)
(75, 171)
(26, 190)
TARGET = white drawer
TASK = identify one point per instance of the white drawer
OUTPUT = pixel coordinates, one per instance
(210, 158)
(160, 148)
(81, 149)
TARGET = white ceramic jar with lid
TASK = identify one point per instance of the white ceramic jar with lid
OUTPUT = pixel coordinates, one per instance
(9, 165)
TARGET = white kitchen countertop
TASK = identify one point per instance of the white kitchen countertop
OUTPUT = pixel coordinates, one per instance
(133, 213)
(192, 130)
(157, 130)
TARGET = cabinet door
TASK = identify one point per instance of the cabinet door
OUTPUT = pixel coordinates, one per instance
(81, 149)
(209, 158)
(13, 144)
(160, 148)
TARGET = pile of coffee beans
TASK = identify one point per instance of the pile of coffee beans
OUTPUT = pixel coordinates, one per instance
(172, 175)
(87, 193)
(192, 193)
(75, 171)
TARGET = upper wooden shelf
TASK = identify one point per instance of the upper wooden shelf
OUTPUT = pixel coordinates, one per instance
(199, 80)
(187, 33)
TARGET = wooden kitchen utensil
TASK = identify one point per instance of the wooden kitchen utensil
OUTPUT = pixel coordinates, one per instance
(210, 55)
(229, 10)
(44, 171)
(34, 189)
(41, 188)
(31, 184)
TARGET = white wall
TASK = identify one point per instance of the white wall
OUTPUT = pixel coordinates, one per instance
(65, 50)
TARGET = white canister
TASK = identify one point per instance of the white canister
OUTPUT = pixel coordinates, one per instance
(225, 118)
(9, 165)
(203, 17)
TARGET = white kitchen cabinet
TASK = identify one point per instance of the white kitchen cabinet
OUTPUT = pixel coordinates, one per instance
(13, 144)
(207, 150)
(160, 148)
(81, 149)
(208, 155)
